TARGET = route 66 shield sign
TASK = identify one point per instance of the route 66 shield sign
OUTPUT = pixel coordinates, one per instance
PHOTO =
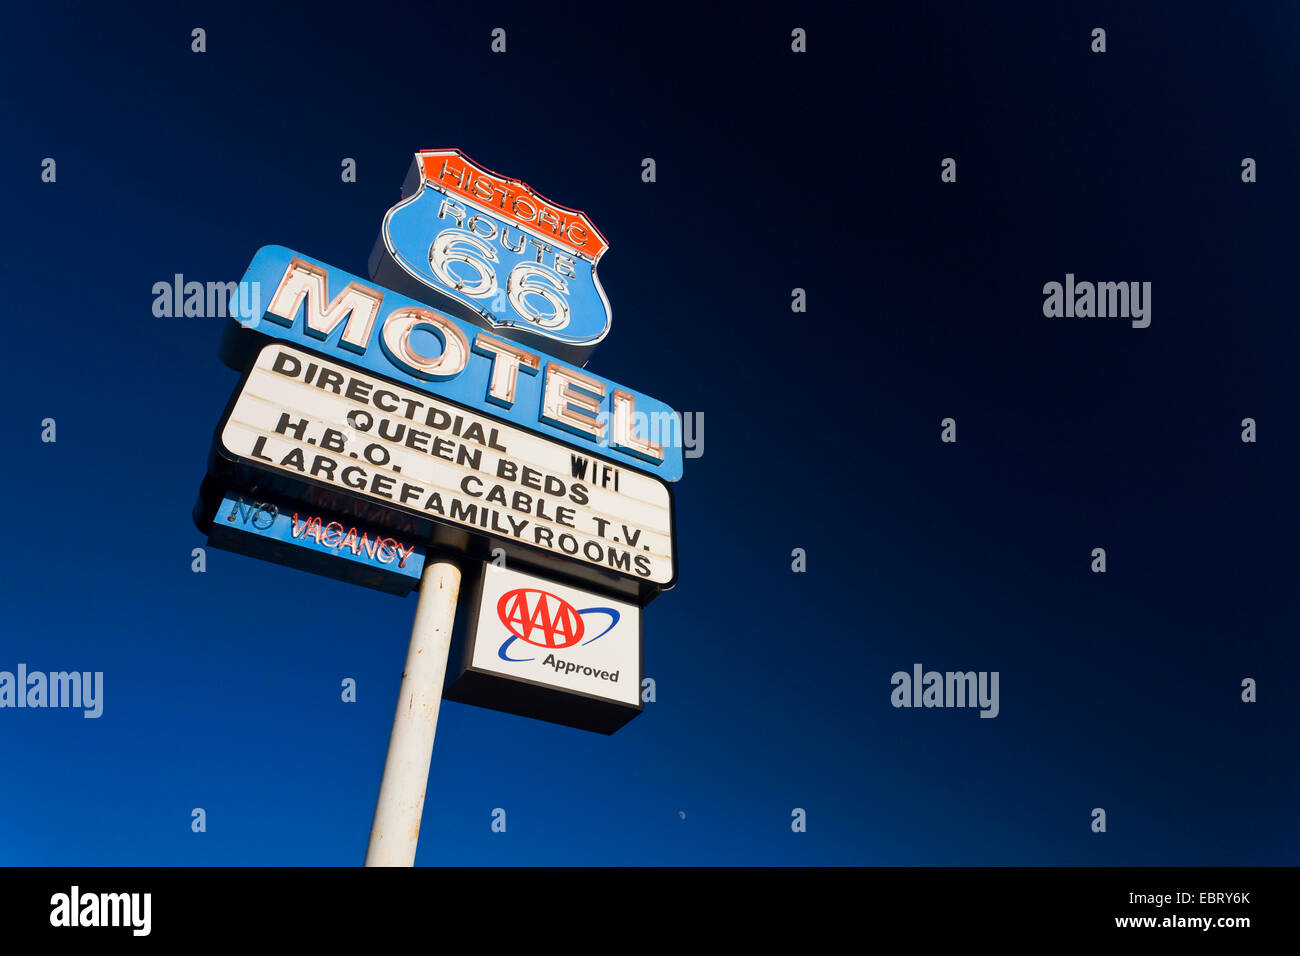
(494, 252)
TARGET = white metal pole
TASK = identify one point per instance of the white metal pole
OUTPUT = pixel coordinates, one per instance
(396, 827)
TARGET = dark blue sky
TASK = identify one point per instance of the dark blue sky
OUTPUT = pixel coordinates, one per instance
(775, 171)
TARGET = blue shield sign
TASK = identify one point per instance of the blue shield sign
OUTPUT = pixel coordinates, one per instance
(496, 253)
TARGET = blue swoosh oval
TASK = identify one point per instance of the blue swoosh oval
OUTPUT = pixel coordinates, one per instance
(501, 652)
(613, 619)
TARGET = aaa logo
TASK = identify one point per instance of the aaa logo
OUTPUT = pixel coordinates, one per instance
(540, 618)
(545, 620)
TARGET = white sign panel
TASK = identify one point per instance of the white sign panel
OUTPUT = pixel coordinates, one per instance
(530, 629)
(309, 417)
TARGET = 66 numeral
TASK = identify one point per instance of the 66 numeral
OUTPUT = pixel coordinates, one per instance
(525, 279)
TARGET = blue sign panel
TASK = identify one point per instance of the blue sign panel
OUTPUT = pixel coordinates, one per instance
(310, 541)
(342, 316)
(494, 251)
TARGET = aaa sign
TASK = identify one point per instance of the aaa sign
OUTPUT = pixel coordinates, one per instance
(541, 649)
